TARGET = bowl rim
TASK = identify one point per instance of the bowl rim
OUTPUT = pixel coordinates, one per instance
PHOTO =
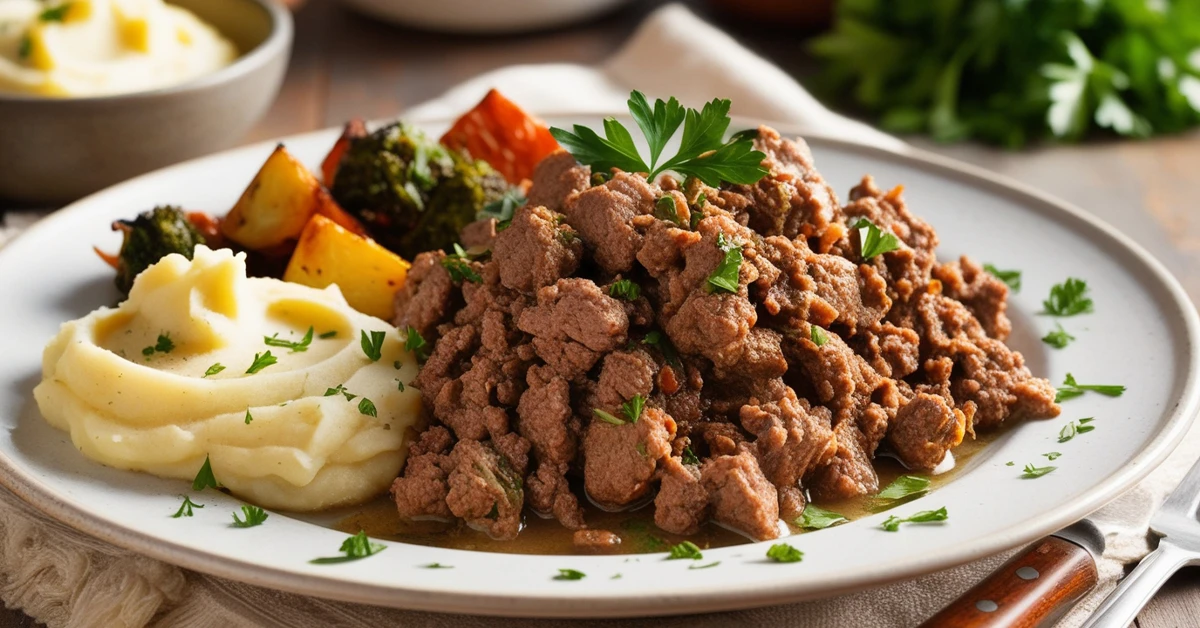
(278, 41)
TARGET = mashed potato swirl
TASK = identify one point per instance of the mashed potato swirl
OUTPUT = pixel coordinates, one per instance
(274, 437)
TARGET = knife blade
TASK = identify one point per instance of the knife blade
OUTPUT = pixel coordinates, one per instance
(1035, 587)
(1177, 526)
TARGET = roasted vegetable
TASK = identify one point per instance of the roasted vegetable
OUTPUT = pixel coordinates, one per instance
(150, 237)
(368, 274)
(411, 193)
(354, 129)
(277, 205)
(502, 134)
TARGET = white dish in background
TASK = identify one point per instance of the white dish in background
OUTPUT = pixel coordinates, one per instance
(1143, 334)
(484, 16)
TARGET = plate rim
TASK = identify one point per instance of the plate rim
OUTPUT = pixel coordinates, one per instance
(536, 604)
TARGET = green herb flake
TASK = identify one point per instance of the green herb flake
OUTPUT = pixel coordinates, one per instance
(1012, 278)
(660, 340)
(686, 549)
(56, 14)
(355, 547)
(904, 487)
(875, 241)
(185, 509)
(892, 523)
(570, 574)
(625, 289)
(816, 518)
(205, 478)
(1031, 471)
(164, 344)
(632, 409)
(367, 407)
(436, 566)
(1071, 389)
(340, 389)
(372, 344)
(1009, 463)
(252, 516)
(460, 270)
(784, 553)
(1070, 430)
(248, 417)
(606, 417)
(817, 335)
(665, 209)
(1052, 456)
(1059, 338)
(414, 343)
(294, 347)
(25, 47)
(329, 334)
(1068, 299)
(615, 576)
(503, 208)
(261, 362)
(725, 277)
(214, 369)
(688, 456)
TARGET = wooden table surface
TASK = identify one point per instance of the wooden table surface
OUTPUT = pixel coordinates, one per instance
(345, 66)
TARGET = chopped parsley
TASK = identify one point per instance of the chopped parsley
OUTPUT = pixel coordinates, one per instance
(625, 289)
(261, 362)
(329, 334)
(295, 347)
(665, 209)
(570, 574)
(415, 343)
(1009, 463)
(784, 553)
(248, 417)
(372, 345)
(254, 516)
(367, 407)
(817, 518)
(503, 208)
(460, 269)
(214, 369)
(686, 549)
(1031, 471)
(56, 14)
(1070, 430)
(703, 152)
(904, 487)
(1059, 338)
(1010, 277)
(1068, 299)
(817, 335)
(688, 456)
(436, 566)
(399, 385)
(205, 478)
(892, 523)
(1052, 456)
(354, 548)
(712, 564)
(25, 47)
(340, 390)
(633, 408)
(725, 277)
(615, 576)
(658, 339)
(1071, 389)
(606, 417)
(185, 509)
(875, 241)
(164, 344)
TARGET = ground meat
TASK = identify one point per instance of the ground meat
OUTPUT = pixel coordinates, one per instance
(983, 294)
(681, 505)
(479, 234)
(924, 430)
(427, 295)
(556, 179)
(715, 325)
(421, 490)
(892, 351)
(536, 250)
(857, 293)
(485, 491)
(596, 541)
(619, 460)
(848, 473)
(544, 411)
(549, 493)
(741, 496)
(791, 437)
(573, 324)
(721, 438)
(451, 351)
(603, 215)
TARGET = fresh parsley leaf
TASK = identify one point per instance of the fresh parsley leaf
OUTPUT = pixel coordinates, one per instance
(1010, 277)
(784, 553)
(56, 14)
(185, 509)
(615, 576)
(665, 209)
(1009, 463)
(904, 487)
(817, 335)
(205, 478)
(248, 417)
(1031, 471)
(1071, 389)
(329, 334)
(875, 241)
(688, 456)
(164, 343)
(615, 150)
(657, 124)
(254, 516)
(660, 340)
(399, 385)
(625, 289)
(460, 270)
(686, 549)
(214, 369)
(712, 564)
(503, 208)
(354, 548)
(437, 566)
(261, 362)
(892, 523)
(1068, 299)
(1052, 456)
(372, 344)
(295, 347)
(725, 277)
(340, 390)
(606, 417)
(816, 518)
(1070, 430)
(633, 408)
(367, 407)
(570, 574)
(1059, 338)
(414, 343)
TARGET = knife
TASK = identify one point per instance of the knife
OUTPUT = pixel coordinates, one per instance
(1178, 546)
(1035, 587)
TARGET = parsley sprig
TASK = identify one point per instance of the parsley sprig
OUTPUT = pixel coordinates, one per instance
(1071, 389)
(686, 549)
(625, 289)
(1068, 299)
(354, 548)
(1031, 471)
(570, 574)
(414, 342)
(892, 523)
(205, 478)
(261, 362)
(875, 241)
(185, 509)
(784, 553)
(458, 265)
(214, 369)
(1059, 338)
(1070, 430)
(817, 518)
(254, 516)
(294, 347)
(1010, 277)
(725, 277)
(163, 344)
(632, 409)
(703, 152)
(904, 487)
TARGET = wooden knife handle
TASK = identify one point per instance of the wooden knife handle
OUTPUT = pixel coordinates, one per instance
(1034, 588)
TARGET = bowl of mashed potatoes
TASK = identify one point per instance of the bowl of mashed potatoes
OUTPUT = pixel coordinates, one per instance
(93, 92)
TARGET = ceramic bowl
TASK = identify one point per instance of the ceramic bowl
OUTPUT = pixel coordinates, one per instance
(56, 150)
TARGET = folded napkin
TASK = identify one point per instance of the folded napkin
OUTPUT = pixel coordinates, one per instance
(64, 578)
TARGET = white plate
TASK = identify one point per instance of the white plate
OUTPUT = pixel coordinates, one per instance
(1143, 335)
(484, 16)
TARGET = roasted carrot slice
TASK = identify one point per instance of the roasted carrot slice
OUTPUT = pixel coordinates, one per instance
(354, 129)
(502, 134)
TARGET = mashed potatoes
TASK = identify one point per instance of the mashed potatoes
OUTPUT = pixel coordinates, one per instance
(142, 387)
(101, 47)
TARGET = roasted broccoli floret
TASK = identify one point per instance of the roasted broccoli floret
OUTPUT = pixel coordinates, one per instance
(412, 193)
(150, 237)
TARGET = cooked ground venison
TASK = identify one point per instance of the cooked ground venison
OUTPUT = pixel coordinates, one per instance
(755, 397)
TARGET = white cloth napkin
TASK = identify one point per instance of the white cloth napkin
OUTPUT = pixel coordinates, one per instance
(64, 578)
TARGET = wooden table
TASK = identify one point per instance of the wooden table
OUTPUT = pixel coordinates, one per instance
(345, 66)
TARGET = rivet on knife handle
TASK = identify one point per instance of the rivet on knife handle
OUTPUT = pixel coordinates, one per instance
(1033, 588)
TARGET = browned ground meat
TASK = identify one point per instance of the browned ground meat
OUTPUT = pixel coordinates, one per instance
(784, 388)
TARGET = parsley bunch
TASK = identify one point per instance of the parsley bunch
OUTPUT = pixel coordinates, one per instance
(703, 151)
(1014, 71)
